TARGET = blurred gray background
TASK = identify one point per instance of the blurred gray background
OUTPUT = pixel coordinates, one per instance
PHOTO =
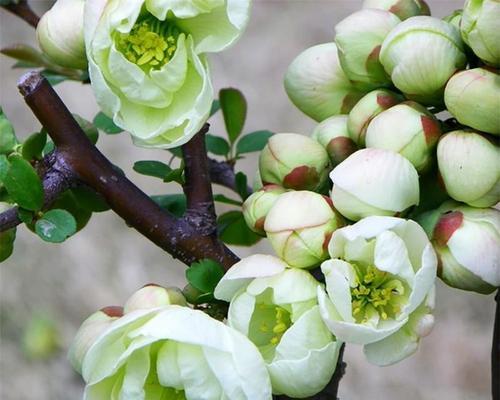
(107, 261)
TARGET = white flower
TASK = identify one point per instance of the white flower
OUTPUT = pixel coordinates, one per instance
(381, 272)
(277, 308)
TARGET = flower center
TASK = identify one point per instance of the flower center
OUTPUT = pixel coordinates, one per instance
(268, 324)
(376, 292)
(150, 44)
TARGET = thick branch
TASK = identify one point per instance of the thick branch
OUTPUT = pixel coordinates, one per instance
(23, 11)
(56, 179)
(178, 237)
(222, 173)
(495, 353)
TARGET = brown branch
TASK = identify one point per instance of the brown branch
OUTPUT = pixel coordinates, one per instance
(495, 353)
(23, 11)
(179, 237)
(222, 173)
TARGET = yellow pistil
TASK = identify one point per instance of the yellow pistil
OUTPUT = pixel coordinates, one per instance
(278, 325)
(377, 289)
(150, 44)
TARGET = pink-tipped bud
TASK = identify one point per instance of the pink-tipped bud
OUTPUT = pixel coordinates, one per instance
(152, 296)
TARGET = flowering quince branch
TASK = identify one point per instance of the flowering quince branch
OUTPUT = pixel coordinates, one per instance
(23, 11)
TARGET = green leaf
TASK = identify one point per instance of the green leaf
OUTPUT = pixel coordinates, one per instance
(7, 239)
(26, 216)
(176, 151)
(234, 230)
(54, 78)
(254, 141)
(4, 167)
(88, 127)
(217, 145)
(204, 275)
(26, 54)
(49, 147)
(89, 199)
(234, 111)
(215, 107)
(174, 203)
(55, 226)
(176, 175)
(106, 124)
(33, 146)
(153, 168)
(241, 182)
(7, 137)
(23, 184)
(69, 202)
(226, 200)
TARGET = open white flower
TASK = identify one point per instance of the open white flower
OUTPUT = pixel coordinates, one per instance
(277, 308)
(146, 64)
(381, 273)
(173, 352)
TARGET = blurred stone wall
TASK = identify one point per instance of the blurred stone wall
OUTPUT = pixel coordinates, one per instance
(105, 262)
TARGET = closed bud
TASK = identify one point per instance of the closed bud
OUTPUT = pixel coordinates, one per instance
(402, 8)
(359, 38)
(89, 331)
(152, 296)
(480, 30)
(258, 204)
(368, 108)
(469, 165)
(317, 85)
(299, 227)
(467, 241)
(454, 18)
(374, 182)
(60, 34)
(333, 135)
(408, 129)
(420, 55)
(294, 161)
(473, 98)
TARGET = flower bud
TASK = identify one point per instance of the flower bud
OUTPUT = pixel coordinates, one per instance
(89, 331)
(333, 135)
(359, 38)
(408, 129)
(469, 165)
(366, 109)
(480, 30)
(421, 54)
(402, 8)
(299, 227)
(454, 18)
(294, 161)
(374, 182)
(258, 204)
(473, 98)
(60, 34)
(467, 241)
(152, 296)
(317, 85)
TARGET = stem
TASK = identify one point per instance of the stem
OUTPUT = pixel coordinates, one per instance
(179, 237)
(495, 353)
(222, 173)
(23, 11)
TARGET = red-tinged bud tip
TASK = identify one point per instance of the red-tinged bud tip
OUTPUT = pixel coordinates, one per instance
(329, 201)
(151, 284)
(301, 178)
(446, 226)
(340, 148)
(113, 311)
(432, 129)
(386, 101)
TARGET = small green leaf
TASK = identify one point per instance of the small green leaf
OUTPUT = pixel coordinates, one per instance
(241, 182)
(254, 141)
(234, 230)
(226, 200)
(49, 147)
(4, 168)
(176, 151)
(217, 145)
(23, 184)
(215, 107)
(7, 239)
(234, 111)
(89, 199)
(106, 124)
(176, 175)
(153, 168)
(204, 275)
(54, 78)
(174, 203)
(26, 54)
(55, 226)
(26, 216)
(33, 146)
(88, 127)
(69, 202)
(7, 137)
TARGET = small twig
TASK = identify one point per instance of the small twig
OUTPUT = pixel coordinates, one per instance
(495, 352)
(176, 236)
(222, 173)
(23, 11)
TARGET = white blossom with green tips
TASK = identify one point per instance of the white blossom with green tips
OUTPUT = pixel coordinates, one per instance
(146, 64)
(176, 353)
(277, 308)
(380, 284)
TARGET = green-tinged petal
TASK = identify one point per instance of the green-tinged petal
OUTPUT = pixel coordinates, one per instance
(167, 368)
(391, 256)
(339, 278)
(240, 312)
(244, 271)
(173, 74)
(136, 372)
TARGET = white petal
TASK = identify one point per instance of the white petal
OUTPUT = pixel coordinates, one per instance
(391, 256)
(339, 278)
